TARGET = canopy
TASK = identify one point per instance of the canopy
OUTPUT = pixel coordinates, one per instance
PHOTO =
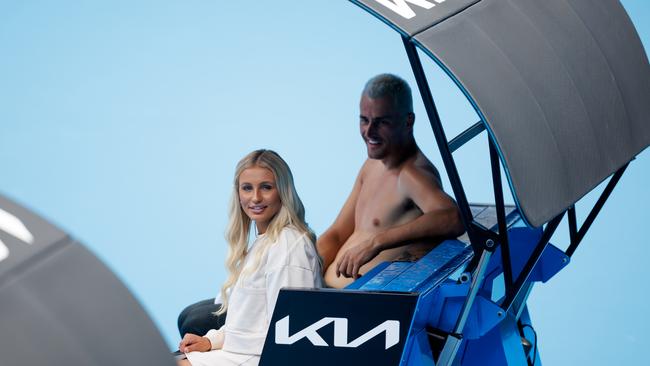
(562, 86)
(59, 305)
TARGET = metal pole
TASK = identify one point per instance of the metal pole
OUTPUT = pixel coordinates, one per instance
(454, 339)
(501, 215)
(466, 135)
(441, 139)
(532, 261)
(595, 210)
(573, 231)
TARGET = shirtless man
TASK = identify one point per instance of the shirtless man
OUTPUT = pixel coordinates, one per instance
(397, 209)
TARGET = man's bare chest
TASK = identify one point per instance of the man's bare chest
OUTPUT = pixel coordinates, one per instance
(381, 204)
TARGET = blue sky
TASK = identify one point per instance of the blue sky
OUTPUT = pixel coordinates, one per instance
(122, 122)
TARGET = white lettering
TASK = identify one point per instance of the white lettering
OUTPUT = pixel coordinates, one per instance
(390, 327)
(401, 8)
(4, 251)
(13, 226)
(282, 332)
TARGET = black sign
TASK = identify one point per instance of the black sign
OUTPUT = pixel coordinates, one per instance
(338, 327)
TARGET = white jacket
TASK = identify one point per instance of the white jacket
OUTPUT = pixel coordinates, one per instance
(291, 261)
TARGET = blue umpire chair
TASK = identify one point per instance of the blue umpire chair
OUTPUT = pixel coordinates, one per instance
(562, 90)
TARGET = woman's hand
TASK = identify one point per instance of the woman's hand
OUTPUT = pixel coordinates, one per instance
(192, 342)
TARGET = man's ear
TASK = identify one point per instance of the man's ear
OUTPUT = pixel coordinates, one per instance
(410, 119)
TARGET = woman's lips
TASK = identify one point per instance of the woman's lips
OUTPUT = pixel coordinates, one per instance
(257, 209)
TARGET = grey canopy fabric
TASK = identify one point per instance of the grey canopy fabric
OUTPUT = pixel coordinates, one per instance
(563, 86)
(59, 305)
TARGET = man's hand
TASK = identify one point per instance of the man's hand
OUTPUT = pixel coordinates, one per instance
(192, 342)
(355, 257)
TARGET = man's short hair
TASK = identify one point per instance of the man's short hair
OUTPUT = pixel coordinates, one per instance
(389, 85)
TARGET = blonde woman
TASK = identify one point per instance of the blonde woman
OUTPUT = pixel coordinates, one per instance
(282, 254)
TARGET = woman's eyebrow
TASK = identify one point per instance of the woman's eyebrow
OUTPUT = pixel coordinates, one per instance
(260, 183)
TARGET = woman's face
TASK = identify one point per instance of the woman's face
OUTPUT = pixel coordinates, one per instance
(258, 196)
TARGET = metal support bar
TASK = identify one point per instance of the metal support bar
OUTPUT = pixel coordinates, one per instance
(441, 139)
(501, 216)
(454, 339)
(595, 210)
(532, 261)
(484, 233)
(449, 351)
(519, 304)
(466, 135)
(477, 281)
(573, 231)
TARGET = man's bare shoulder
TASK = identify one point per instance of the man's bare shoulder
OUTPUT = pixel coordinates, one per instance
(370, 164)
(370, 169)
(420, 170)
(367, 166)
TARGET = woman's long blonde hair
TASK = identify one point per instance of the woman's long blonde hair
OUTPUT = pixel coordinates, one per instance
(292, 213)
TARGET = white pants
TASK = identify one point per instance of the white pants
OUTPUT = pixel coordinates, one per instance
(221, 358)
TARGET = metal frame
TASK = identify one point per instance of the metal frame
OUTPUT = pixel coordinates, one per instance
(532, 261)
(441, 139)
(577, 236)
(501, 216)
(466, 135)
(480, 238)
(452, 344)
(485, 241)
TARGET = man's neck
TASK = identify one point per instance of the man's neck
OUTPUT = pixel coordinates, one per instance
(394, 161)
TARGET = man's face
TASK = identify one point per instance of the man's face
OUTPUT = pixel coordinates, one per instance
(383, 128)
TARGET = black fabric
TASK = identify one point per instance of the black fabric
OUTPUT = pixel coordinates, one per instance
(198, 318)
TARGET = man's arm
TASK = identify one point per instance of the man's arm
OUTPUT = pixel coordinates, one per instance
(329, 243)
(440, 214)
(440, 218)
